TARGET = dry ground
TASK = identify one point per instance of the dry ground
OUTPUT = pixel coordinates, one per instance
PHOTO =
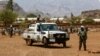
(16, 47)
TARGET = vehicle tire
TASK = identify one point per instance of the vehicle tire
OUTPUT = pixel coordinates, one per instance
(29, 42)
(45, 42)
(64, 44)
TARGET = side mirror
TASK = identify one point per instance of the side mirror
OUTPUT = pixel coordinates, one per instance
(38, 29)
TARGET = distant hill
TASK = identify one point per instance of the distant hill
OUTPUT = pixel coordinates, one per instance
(16, 7)
(61, 7)
(91, 13)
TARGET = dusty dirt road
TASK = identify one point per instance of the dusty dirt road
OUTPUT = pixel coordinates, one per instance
(16, 47)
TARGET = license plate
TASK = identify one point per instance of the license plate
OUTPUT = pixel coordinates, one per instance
(52, 40)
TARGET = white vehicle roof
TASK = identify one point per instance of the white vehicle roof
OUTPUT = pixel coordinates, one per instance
(45, 23)
(33, 25)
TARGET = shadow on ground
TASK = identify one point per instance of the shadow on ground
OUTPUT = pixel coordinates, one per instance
(94, 52)
(50, 46)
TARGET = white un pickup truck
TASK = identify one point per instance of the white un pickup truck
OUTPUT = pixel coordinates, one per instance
(47, 33)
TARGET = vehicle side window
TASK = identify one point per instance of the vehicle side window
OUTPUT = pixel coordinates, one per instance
(38, 28)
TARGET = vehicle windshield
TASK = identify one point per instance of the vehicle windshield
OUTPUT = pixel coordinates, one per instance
(46, 27)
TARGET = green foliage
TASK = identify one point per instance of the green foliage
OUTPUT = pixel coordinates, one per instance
(9, 6)
(31, 15)
(78, 20)
(7, 17)
(65, 17)
(88, 21)
(75, 20)
(23, 25)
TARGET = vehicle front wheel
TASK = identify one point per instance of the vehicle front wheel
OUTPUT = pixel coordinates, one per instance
(29, 42)
(64, 44)
(45, 42)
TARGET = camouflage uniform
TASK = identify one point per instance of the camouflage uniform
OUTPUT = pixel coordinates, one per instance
(82, 37)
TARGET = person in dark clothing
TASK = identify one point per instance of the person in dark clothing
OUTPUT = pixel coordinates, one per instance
(11, 31)
(38, 19)
(82, 37)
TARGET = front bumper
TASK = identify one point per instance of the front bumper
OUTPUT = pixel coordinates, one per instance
(57, 40)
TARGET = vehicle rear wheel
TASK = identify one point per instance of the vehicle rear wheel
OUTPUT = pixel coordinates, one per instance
(29, 42)
(45, 42)
(64, 44)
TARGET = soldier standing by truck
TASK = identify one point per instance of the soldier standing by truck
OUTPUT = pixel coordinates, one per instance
(82, 37)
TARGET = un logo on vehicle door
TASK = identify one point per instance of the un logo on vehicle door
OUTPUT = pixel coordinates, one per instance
(38, 37)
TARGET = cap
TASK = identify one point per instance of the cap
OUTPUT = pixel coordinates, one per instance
(82, 26)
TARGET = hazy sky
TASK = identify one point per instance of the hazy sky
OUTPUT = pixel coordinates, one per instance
(63, 6)
(29, 4)
(26, 4)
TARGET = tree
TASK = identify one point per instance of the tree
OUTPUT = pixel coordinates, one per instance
(75, 20)
(31, 15)
(23, 25)
(65, 17)
(72, 16)
(72, 20)
(7, 17)
(78, 20)
(9, 6)
(88, 21)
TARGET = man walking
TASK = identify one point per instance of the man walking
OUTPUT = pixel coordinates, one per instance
(82, 37)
